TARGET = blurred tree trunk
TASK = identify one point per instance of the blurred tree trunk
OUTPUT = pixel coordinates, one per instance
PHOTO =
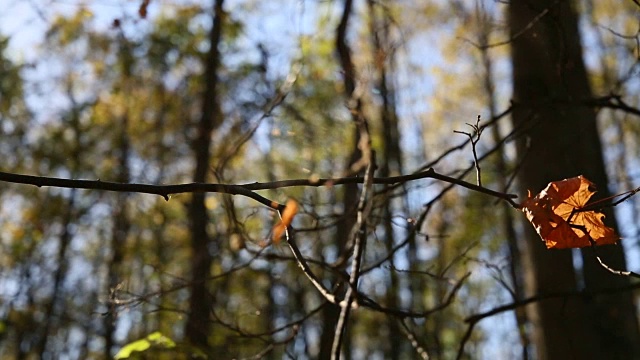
(121, 222)
(507, 220)
(391, 162)
(119, 234)
(53, 311)
(201, 302)
(561, 140)
(331, 313)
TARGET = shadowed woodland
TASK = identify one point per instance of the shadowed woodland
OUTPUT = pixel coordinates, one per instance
(315, 179)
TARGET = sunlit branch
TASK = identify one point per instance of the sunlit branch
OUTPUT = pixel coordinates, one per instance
(594, 247)
(413, 340)
(617, 272)
(302, 263)
(359, 235)
(474, 139)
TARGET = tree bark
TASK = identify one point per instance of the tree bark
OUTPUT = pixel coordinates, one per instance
(201, 302)
(560, 139)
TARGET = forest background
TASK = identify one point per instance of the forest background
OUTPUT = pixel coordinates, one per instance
(460, 96)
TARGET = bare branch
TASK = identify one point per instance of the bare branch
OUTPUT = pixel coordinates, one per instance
(414, 341)
(617, 272)
(476, 318)
(307, 270)
(244, 189)
(162, 190)
(612, 102)
(359, 234)
(276, 101)
(490, 122)
(528, 27)
(366, 302)
(474, 138)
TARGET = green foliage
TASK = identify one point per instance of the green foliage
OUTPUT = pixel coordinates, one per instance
(11, 83)
(66, 30)
(153, 341)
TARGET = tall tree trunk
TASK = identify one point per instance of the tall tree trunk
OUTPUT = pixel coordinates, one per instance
(383, 55)
(50, 323)
(121, 222)
(506, 218)
(53, 311)
(119, 234)
(561, 140)
(331, 312)
(198, 323)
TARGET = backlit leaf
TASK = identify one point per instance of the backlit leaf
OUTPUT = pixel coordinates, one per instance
(289, 212)
(153, 339)
(557, 215)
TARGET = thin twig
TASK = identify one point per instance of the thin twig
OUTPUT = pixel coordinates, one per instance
(491, 122)
(270, 332)
(276, 101)
(519, 33)
(465, 338)
(262, 354)
(594, 247)
(136, 299)
(597, 205)
(476, 318)
(617, 272)
(605, 266)
(306, 269)
(368, 303)
(474, 138)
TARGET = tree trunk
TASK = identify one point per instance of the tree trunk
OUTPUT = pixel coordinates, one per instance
(119, 234)
(383, 53)
(198, 323)
(53, 311)
(560, 140)
(500, 164)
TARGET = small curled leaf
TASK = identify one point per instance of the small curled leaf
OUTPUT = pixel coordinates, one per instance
(288, 213)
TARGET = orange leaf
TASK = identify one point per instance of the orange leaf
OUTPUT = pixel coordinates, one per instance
(290, 210)
(555, 214)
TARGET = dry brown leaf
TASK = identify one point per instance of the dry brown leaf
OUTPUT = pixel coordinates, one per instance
(290, 210)
(556, 216)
